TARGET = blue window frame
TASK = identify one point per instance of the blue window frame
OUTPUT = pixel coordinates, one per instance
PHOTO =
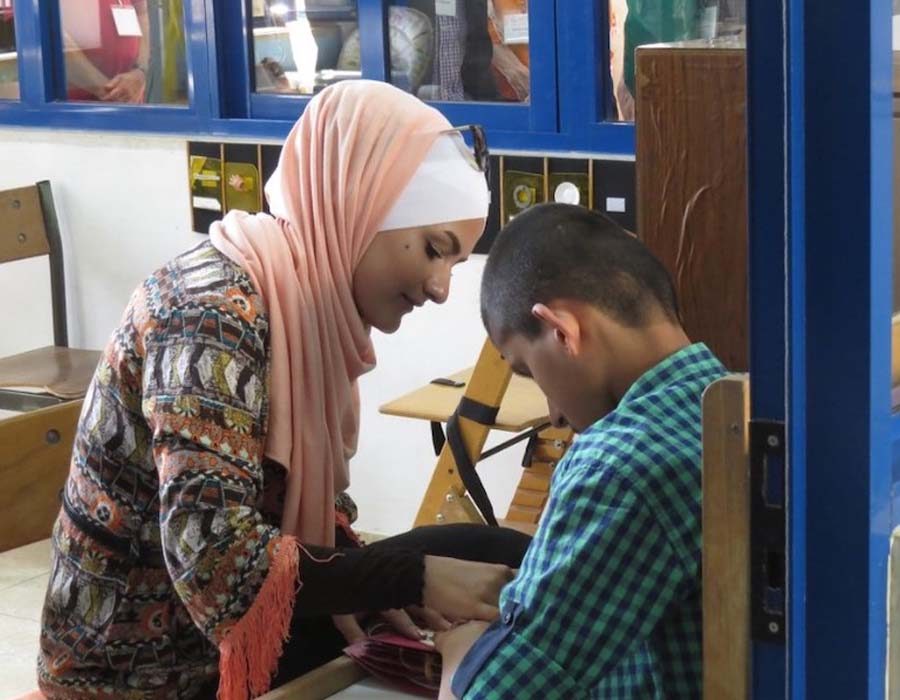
(584, 61)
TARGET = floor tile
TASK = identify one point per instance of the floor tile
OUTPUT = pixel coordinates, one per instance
(24, 563)
(18, 654)
(25, 600)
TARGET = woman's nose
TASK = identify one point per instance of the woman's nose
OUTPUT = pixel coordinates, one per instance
(437, 286)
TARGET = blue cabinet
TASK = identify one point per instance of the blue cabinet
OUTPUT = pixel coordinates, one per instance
(247, 63)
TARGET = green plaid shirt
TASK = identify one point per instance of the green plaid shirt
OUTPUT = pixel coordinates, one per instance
(607, 602)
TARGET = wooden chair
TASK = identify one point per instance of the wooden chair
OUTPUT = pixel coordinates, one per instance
(44, 387)
(726, 539)
(472, 403)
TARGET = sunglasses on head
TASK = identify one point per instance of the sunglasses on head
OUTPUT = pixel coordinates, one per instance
(478, 156)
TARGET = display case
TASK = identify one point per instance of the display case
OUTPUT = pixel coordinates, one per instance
(9, 58)
(242, 69)
(475, 63)
(111, 65)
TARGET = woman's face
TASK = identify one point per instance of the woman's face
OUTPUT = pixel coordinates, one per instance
(406, 267)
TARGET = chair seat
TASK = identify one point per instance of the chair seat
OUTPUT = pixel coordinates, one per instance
(61, 372)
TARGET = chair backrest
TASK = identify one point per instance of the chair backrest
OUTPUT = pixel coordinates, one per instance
(28, 229)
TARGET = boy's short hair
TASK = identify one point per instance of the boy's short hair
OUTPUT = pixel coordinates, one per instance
(562, 251)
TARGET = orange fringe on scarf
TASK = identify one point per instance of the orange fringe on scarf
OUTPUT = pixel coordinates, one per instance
(249, 653)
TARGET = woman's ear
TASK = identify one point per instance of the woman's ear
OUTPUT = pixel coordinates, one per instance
(564, 325)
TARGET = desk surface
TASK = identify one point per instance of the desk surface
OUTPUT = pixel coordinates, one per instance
(523, 405)
(371, 689)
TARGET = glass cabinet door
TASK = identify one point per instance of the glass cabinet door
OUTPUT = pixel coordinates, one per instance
(491, 62)
(124, 51)
(298, 47)
(9, 64)
(461, 50)
(635, 23)
(895, 319)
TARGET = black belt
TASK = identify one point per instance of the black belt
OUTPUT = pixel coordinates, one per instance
(485, 415)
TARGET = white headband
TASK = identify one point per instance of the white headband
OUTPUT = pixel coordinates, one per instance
(446, 187)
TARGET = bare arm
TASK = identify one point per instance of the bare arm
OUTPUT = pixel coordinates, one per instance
(130, 85)
(80, 71)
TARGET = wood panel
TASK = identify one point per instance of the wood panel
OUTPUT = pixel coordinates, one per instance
(320, 683)
(22, 232)
(726, 540)
(692, 186)
(533, 490)
(34, 463)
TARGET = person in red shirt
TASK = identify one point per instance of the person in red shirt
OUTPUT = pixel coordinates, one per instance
(106, 49)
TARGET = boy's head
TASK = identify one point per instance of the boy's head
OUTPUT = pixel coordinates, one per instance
(572, 299)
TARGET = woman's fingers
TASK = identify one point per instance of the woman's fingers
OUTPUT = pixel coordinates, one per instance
(402, 623)
(429, 618)
(349, 627)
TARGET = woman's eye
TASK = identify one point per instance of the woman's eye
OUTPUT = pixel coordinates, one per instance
(432, 252)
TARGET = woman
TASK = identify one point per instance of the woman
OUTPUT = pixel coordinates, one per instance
(107, 49)
(199, 526)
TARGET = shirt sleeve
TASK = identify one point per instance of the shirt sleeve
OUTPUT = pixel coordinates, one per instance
(598, 578)
(205, 407)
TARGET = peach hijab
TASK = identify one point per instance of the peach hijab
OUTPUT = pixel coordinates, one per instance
(344, 164)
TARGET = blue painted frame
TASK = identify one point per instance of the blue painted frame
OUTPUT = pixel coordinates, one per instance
(766, 117)
(221, 104)
(821, 239)
(582, 107)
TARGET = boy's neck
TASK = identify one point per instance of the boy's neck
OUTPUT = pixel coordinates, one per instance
(642, 349)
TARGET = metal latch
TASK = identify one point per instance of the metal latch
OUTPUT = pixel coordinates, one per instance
(768, 590)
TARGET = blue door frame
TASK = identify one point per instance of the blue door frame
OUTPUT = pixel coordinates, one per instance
(820, 169)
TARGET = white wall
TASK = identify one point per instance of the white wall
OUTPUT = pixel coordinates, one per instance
(123, 206)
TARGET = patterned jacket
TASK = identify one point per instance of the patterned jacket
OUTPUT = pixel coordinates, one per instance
(169, 515)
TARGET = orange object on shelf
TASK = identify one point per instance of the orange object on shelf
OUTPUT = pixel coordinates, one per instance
(505, 82)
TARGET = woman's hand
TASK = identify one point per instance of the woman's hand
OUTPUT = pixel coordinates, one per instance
(429, 619)
(126, 87)
(464, 590)
(403, 622)
(349, 627)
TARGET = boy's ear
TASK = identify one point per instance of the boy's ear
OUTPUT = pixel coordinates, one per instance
(564, 325)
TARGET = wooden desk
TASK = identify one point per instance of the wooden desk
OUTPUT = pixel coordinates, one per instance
(523, 405)
(320, 683)
(340, 679)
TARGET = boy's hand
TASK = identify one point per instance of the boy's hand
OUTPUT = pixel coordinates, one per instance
(453, 646)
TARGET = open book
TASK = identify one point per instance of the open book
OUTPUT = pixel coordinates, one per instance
(412, 666)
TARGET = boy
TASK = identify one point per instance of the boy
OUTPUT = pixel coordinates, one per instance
(607, 602)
